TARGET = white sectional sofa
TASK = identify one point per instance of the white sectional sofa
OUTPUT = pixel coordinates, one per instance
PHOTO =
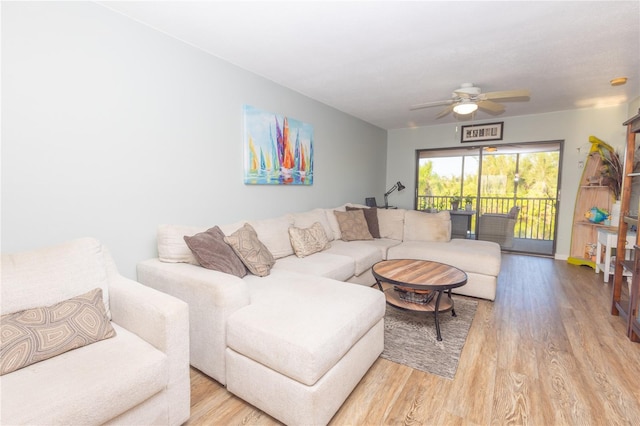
(296, 342)
(137, 375)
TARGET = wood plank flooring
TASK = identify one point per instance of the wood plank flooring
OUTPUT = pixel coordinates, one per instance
(546, 352)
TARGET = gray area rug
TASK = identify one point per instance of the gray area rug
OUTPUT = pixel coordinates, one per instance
(410, 337)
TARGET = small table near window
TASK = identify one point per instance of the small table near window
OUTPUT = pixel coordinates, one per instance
(461, 223)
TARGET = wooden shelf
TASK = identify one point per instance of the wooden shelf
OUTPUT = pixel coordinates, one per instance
(627, 306)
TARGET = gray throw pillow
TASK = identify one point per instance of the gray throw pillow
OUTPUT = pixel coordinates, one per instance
(353, 225)
(212, 252)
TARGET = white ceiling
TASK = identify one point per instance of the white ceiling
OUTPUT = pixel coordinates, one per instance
(373, 59)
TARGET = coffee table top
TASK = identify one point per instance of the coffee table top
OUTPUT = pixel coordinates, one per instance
(419, 274)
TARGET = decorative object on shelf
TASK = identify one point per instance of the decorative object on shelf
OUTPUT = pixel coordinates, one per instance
(611, 172)
(399, 186)
(596, 215)
(278, 150)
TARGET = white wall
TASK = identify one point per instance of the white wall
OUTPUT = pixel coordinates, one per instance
(110, 128)
(574, 127)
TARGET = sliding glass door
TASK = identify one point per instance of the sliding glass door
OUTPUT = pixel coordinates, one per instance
(505, 193)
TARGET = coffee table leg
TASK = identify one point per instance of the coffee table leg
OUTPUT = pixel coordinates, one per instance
(453, 310)
(436, 315)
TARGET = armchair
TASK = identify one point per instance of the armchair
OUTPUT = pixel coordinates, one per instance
(139, 375)
(498, 227)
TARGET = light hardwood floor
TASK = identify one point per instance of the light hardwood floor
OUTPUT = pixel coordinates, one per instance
(546, 352)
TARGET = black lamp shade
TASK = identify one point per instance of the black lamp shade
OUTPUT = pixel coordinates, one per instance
(400, 186)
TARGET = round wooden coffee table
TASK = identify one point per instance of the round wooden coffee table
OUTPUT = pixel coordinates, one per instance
(419, 277)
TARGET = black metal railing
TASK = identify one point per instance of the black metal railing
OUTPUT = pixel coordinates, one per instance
(536, 220)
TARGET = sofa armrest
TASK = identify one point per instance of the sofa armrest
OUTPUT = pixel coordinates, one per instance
(212, 297)
(163, 321)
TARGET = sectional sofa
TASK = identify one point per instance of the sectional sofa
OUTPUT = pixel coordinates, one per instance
(297, 340)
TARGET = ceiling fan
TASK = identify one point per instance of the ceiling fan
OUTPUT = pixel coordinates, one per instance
(469, 98)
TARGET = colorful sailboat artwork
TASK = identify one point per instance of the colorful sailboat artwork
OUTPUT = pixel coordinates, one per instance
(278, 149)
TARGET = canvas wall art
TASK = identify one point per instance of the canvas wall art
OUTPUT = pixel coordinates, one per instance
(278, 150)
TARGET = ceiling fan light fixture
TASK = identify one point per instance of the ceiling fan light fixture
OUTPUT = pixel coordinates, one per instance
(465, 107)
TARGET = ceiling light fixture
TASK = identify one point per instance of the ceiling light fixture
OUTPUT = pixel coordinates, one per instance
(465, 107)
(618, 81)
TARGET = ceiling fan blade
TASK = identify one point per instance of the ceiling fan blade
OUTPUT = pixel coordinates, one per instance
(491, 106)
(507, 94)
(445, 111)
(430, 104)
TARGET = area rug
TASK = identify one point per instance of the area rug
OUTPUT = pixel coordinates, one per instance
(410, 337)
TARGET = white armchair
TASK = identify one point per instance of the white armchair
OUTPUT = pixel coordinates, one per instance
(140, 375)
(498, 228)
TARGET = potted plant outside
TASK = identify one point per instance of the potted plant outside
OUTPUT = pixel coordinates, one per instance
(455, 202)
(468, 202)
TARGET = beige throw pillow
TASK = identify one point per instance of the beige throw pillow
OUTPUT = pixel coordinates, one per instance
(255, 255)
(371, 216)
(306, 241)
(36, 334)
(353, 225)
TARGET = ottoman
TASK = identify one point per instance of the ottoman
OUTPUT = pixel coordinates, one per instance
(300, 358)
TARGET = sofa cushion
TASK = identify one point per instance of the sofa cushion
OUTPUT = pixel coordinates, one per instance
(274, 234)
(304, 349)
(306, 241)
(37, 334)
(212, 252)
(50, 275)
(363, 254)
(321, 264)
(381, 244)
(371, 216)
(421, 226)
(333, 221)
(472, 256)
(353, 225)
(391, 223)
(171, 245)
(255, 255)
(90, 385)
(306, 219)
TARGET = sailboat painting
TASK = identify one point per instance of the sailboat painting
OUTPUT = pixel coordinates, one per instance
(278, 150)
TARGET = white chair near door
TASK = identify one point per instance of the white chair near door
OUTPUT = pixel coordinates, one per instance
(607, 241)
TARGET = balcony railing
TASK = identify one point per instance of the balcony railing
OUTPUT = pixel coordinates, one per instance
(537, 218)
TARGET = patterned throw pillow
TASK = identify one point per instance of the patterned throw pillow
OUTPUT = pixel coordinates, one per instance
(213, 253)
(353, 225)
(371, 216)
(306, 241)
(36, 334)
(255, 255)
